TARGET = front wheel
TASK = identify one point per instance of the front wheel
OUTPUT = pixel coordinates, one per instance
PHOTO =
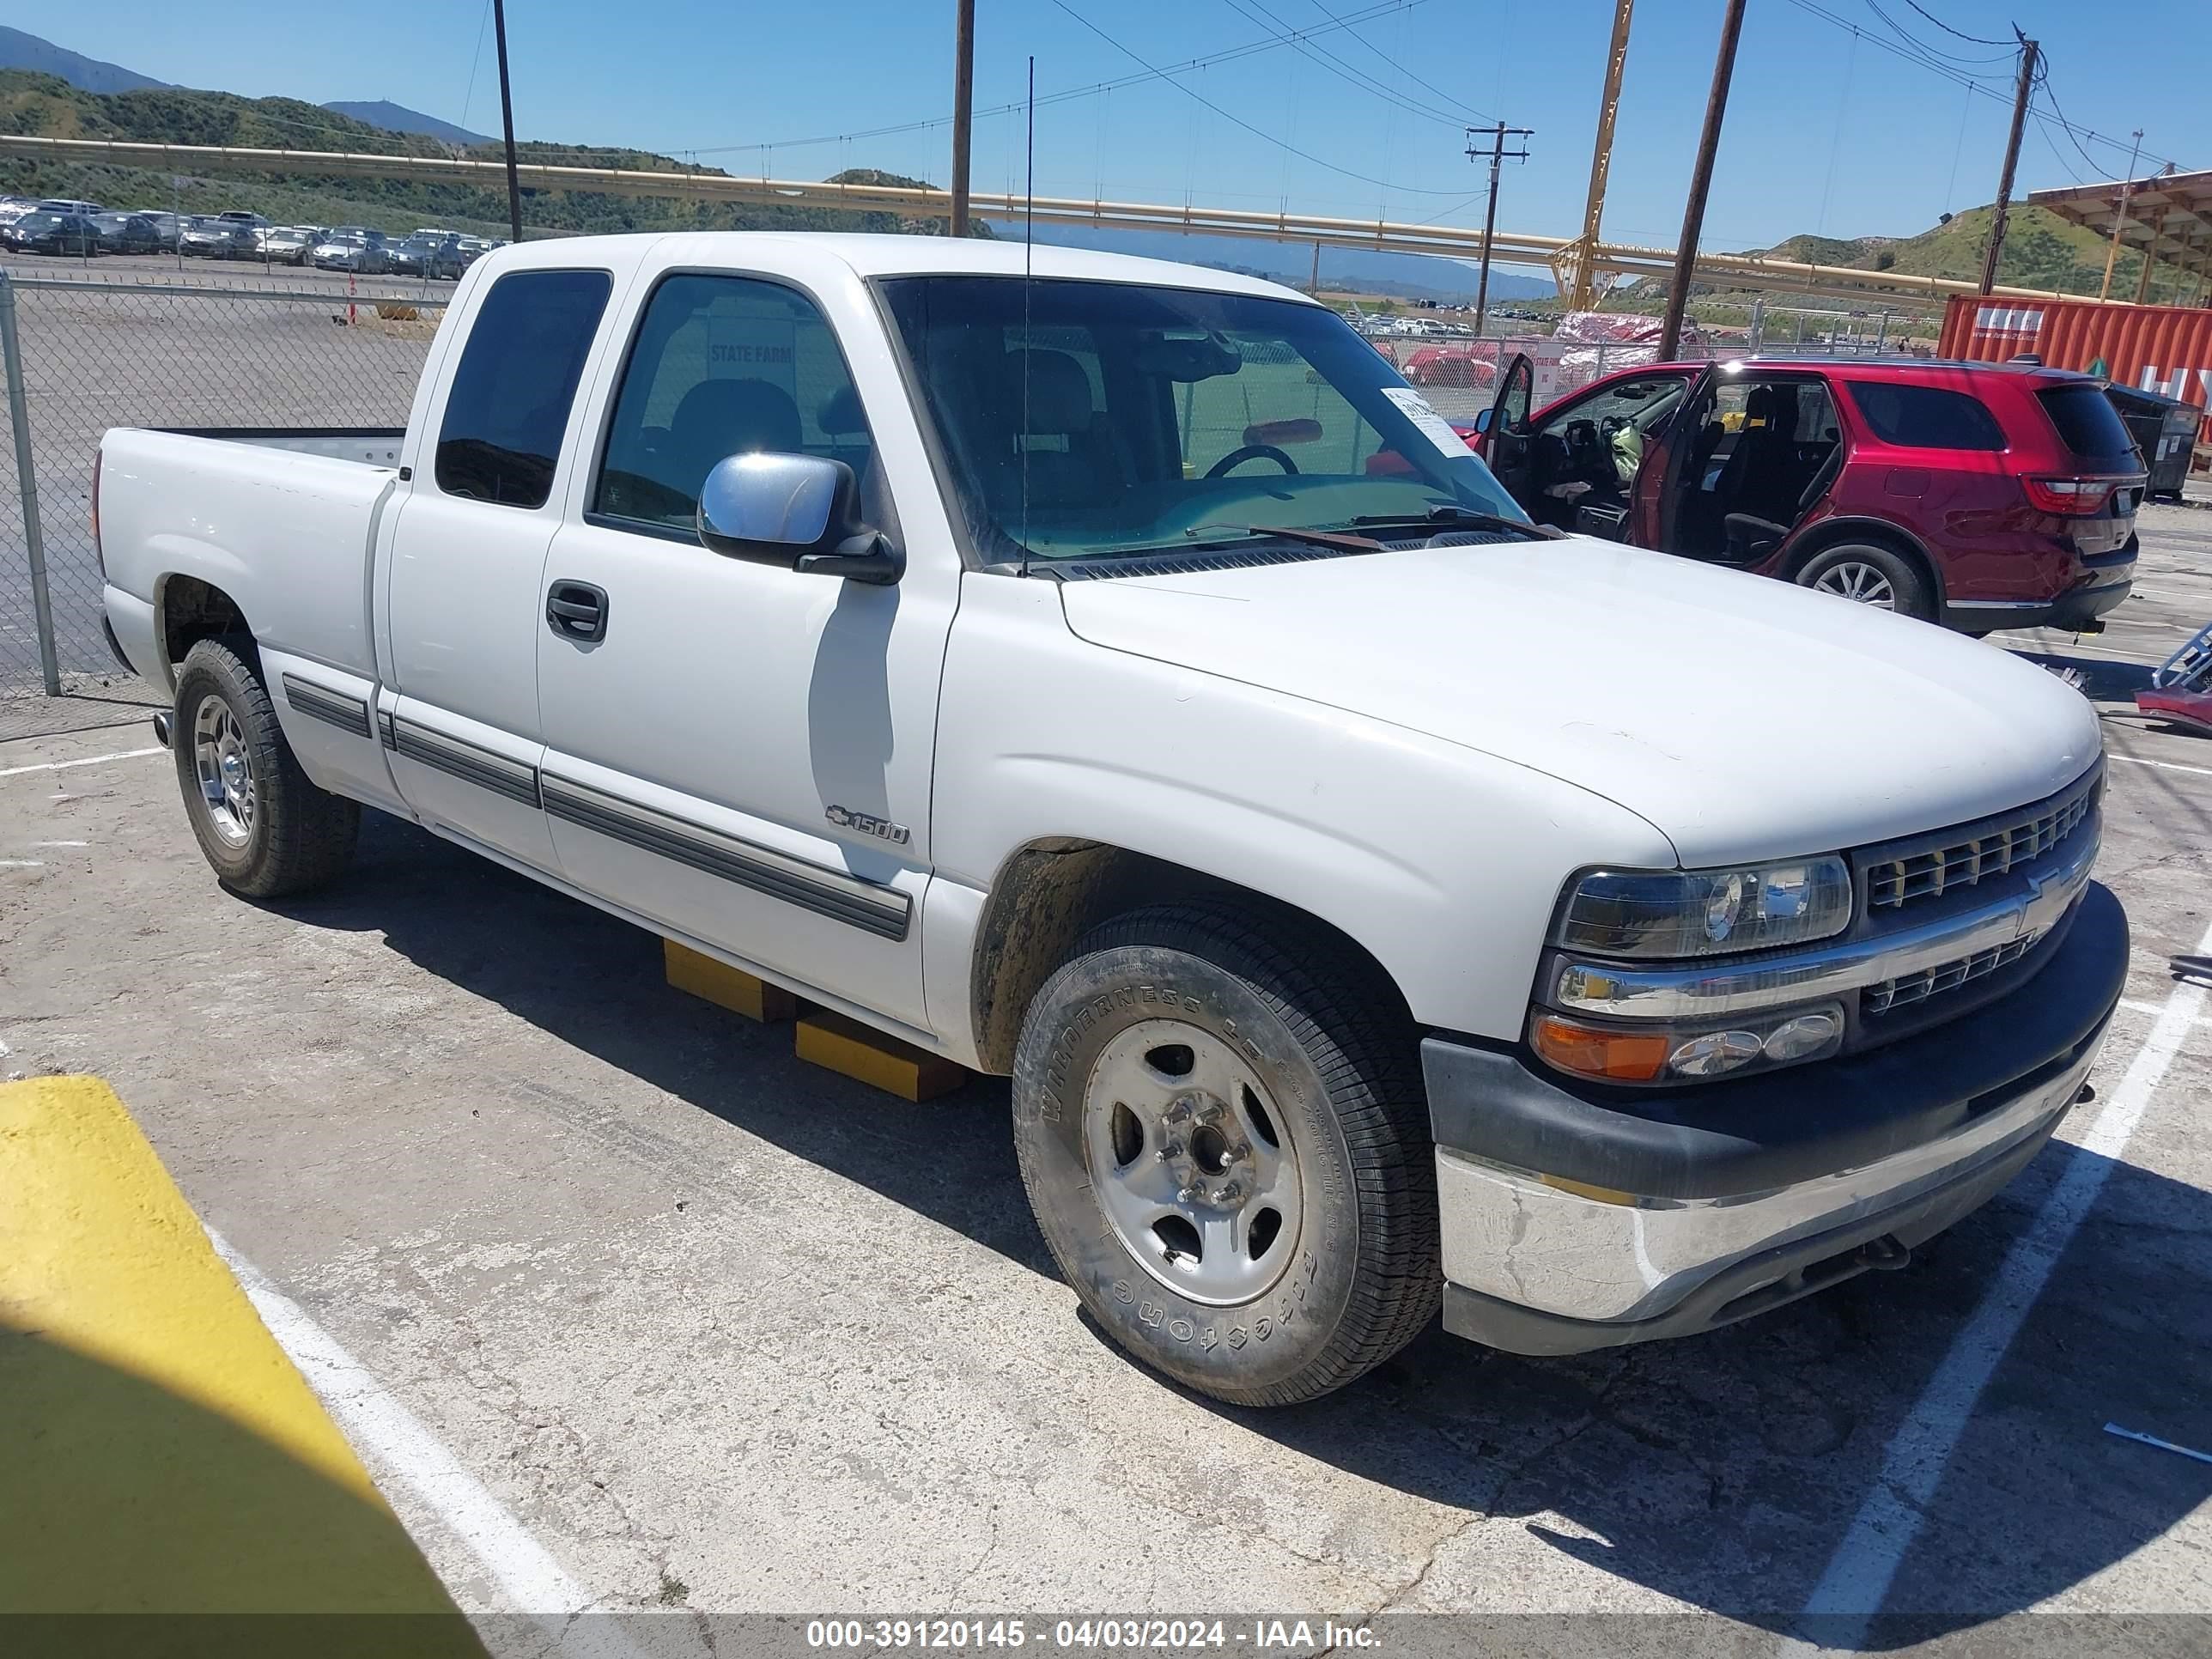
(264, 826)
(1224, 1139)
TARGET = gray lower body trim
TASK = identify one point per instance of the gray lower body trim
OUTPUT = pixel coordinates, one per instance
(866, 905)
(468, 762)
(332, 707)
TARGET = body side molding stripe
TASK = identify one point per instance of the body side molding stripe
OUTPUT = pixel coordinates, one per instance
(333, 707)
(874, 909)
(466, 761)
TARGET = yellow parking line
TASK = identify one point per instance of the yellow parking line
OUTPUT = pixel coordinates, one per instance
(162, 1455)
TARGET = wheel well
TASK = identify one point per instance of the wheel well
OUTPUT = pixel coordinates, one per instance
(1881, 535)
(192, 611)
(1051, 892)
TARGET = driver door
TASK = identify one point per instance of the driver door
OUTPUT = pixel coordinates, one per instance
(1664, 479)
(1508, 438)
(737, 751)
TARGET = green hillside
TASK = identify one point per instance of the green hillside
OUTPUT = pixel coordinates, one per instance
(44, 107)
(2041, 250)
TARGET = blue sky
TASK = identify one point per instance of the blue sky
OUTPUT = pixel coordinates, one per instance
(1827, 131)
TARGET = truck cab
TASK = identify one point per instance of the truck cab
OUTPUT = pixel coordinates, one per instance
(1381, 904)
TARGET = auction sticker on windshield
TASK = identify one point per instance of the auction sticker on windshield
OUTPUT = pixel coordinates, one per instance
(1437, 429)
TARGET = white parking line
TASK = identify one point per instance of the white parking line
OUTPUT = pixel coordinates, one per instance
(89, 760)
(2163, 766)
(1865, 1563)
(392, 1437)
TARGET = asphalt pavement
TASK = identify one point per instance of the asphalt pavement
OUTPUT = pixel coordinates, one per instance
(716, 1334)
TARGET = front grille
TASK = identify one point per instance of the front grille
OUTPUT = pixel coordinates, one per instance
(1945, 976)
(1894, 883)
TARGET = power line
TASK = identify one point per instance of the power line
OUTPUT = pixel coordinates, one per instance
(1956, 76)
(1345, 72)
(1362, 40)
(1975, 38)
(1249, 49)
(1238, 120)
(1917, 44)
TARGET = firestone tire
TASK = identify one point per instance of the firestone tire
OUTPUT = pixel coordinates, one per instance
(265, 828)
(1185, 1073)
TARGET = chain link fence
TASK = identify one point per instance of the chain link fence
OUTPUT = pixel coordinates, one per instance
(84, 356)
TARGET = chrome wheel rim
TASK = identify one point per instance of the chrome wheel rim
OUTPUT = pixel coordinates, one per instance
(1193, 1163)
(1862, 584)
(224, 766)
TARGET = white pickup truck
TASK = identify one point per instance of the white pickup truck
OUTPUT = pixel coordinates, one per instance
(1113, 675)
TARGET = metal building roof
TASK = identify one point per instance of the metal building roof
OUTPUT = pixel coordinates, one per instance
(2167, 213)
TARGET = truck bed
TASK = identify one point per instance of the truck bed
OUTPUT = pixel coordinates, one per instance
(371, 445)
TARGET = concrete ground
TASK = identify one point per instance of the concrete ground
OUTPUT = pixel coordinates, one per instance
(726, 1334)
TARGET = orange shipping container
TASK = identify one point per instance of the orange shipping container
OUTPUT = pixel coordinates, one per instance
(2165, 348)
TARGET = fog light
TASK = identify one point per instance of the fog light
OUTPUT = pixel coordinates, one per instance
(1805, 1035)
(1714, 1053)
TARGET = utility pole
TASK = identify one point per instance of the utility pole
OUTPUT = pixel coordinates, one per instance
(1701, 180)
(1616, 62)
(2027, 54)
(2120, 218)
(964, 108)
(1497, 154)
(507, 120)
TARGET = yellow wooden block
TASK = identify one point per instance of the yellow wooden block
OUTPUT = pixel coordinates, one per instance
(882, 1062)
(727, 987)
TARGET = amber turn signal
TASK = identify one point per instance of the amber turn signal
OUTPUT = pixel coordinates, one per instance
(1592, 1051)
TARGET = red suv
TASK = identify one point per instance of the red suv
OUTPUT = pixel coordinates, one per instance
(1984, 496)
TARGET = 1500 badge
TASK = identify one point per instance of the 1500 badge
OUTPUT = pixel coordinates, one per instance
(869, 824)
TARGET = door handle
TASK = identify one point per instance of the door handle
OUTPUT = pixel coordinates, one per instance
(577, 611)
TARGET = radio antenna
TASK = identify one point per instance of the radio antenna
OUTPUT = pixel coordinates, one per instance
(1028, 242)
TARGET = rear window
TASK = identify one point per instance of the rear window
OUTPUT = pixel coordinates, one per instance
(2087, 421)
(518, 375)
(1926, 416)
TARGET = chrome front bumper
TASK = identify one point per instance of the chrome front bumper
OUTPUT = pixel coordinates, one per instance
(1626, 1260)
(1574, 1220)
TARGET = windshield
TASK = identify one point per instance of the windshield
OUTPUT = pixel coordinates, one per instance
(1162, 418)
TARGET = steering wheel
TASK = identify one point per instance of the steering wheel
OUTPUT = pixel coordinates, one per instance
(1236, 458)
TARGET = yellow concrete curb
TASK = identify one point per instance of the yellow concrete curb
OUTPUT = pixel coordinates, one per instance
(162, 1453)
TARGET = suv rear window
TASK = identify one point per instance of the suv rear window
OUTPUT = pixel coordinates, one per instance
(1926, 416)
(2087, 422)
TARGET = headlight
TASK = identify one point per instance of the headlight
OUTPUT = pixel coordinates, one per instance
(1703, 913)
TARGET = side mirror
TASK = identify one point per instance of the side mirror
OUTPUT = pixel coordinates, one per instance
(1482, 420)
(795, 511)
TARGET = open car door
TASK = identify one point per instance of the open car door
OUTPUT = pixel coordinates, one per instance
(1663, 478)
(1505, 429)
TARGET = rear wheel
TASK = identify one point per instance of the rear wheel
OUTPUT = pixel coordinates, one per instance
(266, 829)
(1868, 574)
(1224, 1139)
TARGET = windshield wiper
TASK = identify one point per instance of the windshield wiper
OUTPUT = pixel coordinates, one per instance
(1463, 515)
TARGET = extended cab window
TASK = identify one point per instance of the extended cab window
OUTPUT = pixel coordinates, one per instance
(510, 397)
(1926, 416)
(724, 366)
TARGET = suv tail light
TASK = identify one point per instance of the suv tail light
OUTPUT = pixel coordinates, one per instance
(100, 556)
(2078, 498)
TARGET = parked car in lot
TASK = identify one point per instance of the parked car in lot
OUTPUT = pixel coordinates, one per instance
(288, 245)
(427, 254)
(351, 248)
(126, 233)
(1980, 496)
(52, 233)
(220, 239)
(169, 226)
(1381, 903)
